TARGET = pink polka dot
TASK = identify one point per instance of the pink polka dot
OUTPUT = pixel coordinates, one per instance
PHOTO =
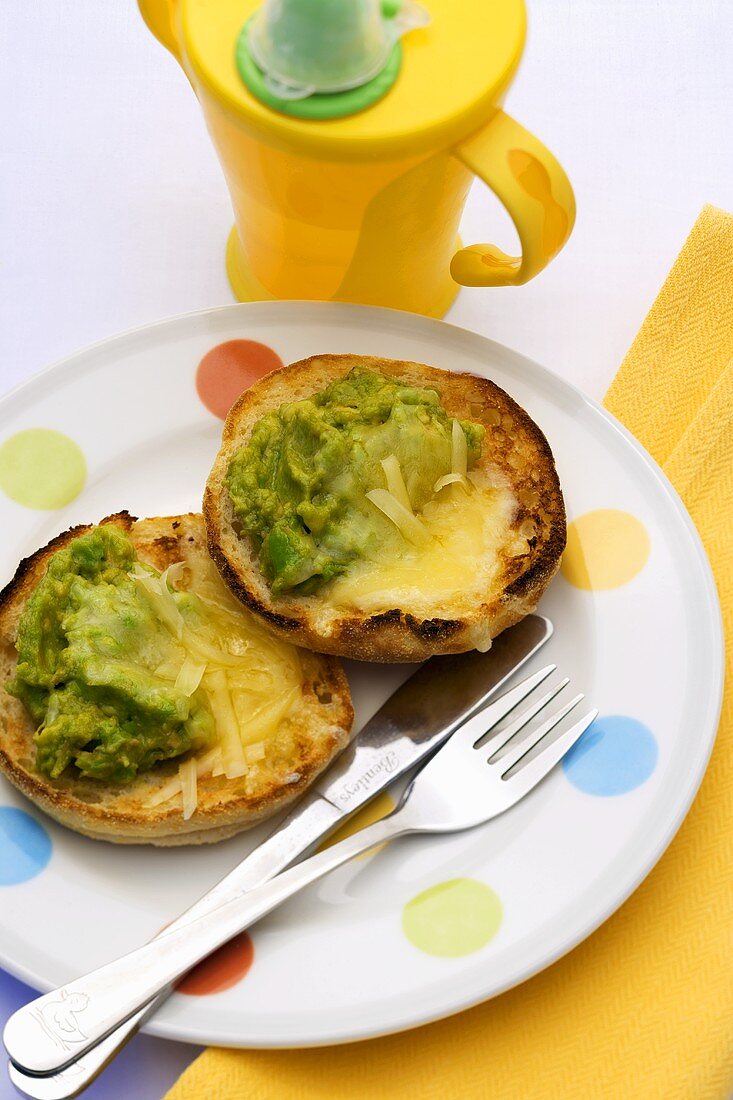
(229, 369)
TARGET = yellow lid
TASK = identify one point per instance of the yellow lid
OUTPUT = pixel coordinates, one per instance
(453, 74)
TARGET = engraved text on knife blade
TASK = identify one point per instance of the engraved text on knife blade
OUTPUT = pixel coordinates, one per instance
(371, 770)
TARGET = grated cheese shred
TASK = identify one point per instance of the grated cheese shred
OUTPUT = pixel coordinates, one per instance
(189, 788)
(408, 524)
(250, 679)
(396, 482)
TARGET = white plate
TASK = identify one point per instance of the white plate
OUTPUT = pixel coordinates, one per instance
(335, 963)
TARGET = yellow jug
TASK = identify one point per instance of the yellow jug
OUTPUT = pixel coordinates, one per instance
(365, 208)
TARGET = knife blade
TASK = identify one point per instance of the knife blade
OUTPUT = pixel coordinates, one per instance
(423, 712)
(429, 706)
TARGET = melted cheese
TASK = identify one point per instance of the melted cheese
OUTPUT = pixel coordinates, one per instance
(460, 558)
(251, 680)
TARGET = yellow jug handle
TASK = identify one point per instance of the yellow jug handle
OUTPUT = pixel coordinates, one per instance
(160, 16)
(536, 193)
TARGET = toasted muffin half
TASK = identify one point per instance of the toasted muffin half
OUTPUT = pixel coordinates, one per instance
(310, 734)
(500, 581)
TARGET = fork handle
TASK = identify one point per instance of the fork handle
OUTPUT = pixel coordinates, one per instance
(49, 1033)
(311, 818)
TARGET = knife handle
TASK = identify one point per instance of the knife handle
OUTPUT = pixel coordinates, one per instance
(48, 1034)
(305, 825)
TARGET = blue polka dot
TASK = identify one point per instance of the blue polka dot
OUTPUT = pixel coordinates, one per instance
(614, 755)
(25, 846)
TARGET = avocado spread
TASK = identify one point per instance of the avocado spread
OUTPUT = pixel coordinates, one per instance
(298, 487)
(89, 644)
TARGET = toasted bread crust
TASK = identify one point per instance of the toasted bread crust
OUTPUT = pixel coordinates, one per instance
(321, 721)
(513, 442)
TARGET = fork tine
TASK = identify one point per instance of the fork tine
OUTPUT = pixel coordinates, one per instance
(524, 718)
(515, 755)
(530, 775)
(475, 728)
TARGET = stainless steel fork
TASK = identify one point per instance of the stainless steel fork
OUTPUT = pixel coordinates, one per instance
(466, 783)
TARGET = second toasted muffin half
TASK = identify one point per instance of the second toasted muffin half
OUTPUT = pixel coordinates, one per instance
(459, 558)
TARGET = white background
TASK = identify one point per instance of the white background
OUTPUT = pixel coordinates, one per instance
(113, 211)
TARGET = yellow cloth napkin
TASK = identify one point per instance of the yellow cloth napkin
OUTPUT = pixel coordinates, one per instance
(644, 1008)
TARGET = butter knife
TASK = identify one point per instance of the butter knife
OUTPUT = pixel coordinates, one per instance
(414, 721)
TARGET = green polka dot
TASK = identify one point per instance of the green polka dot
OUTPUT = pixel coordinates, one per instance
(41, 468)
(452, 918)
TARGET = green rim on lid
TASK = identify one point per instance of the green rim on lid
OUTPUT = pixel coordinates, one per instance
(320, 105)
(321, 59)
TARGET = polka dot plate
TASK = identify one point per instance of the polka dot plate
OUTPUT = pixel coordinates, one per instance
(426, 926)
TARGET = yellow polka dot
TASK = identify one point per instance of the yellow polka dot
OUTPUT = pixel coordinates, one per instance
(41, 468)
(606, 548)
(375, 810)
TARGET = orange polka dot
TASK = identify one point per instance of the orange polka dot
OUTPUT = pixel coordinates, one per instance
(220, 971)
(229, 369)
